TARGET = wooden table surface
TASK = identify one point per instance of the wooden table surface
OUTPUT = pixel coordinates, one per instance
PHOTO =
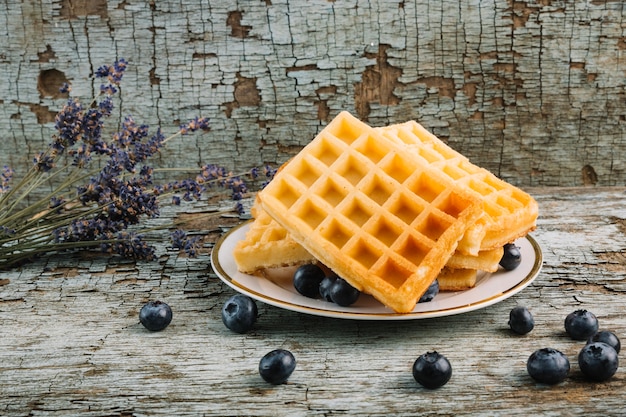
(71, 342)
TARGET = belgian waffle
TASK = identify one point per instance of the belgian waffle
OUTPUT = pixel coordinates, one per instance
(457, 279)
(509, 212)
(268, 245)
(486, 260)
(371, 211)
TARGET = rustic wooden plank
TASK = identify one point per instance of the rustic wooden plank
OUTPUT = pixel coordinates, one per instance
(532, 91)
(70, 341)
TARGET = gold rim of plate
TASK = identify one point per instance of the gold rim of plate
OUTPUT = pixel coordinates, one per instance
(378, 315)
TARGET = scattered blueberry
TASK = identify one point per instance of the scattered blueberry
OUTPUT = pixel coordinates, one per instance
(276, 366)
(432, 370)
(342, 293)
(548, 366)
(325, 286)
(606, 337)
(430, 293)
(598, 361)
(155, 315)
(239, 313)
(581, 324)
(511, 258)
(521, 321)
(307, 279)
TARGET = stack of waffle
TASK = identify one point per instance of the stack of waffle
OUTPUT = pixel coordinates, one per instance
(388, 209)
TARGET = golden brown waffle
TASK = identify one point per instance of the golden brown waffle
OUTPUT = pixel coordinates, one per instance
(268, 245)
(486, 260)
(456, 279)
(371, 211)
(509, 212)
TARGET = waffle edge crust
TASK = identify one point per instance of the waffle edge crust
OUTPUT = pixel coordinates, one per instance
(369, 210)
(267, 245)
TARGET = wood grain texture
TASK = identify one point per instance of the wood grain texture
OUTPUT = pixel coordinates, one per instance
(533, 91)
(71, 343)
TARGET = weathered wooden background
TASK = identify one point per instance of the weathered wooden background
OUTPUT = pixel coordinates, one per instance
(533, 90)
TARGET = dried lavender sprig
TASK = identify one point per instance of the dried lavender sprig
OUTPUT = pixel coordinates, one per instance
(11, 201)
(7, 176)
(182, 241)
(107, 246)
(71, 124)
(210, 177)
(114, 198)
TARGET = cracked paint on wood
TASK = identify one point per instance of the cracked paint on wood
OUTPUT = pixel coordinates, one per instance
(532, 91)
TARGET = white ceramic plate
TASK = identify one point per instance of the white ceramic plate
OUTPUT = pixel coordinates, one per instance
(490, 288)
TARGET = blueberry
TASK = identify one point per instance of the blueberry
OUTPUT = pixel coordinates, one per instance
(307, 279)
(598, 361)
(239, 313)
(606, 337)
(276, 366)
(342, 293)
(548, 366)
(511, 258)
(581, 324)
(521, 321)
(430, 293)
(432, 370)
(155, 315)
(325, 286)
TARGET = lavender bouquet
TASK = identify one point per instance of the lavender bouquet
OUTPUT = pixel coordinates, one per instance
(102, 188)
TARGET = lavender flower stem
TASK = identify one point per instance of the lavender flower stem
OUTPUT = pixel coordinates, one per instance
(36, 207)
(34, 180)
